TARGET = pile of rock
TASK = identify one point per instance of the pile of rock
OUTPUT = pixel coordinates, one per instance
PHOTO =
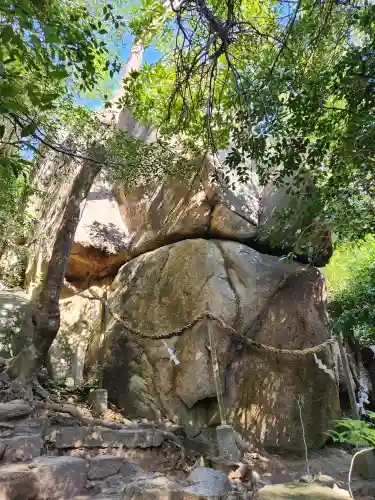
(48, 455)
(55, 457)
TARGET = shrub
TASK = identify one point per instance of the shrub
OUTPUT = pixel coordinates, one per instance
(351, 289)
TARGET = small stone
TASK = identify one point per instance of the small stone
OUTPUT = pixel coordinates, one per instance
(9, 411)
(209, 481)
(223, 464)
(324, 480)
(89, 485)
(241, 443)
(227, 442)
(98, 400)
(17, 482)
(192, 430)
(130, 469)
(101, 437)
(240, 473)
(257, 481)
(103, 466)
(364, 464)
(255, 476)
(306, 478)
(22, 448)
(336, 488)
(151, 489)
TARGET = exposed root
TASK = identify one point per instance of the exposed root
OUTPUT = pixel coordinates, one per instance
(42, 392)
(76, 413)
(171, 438)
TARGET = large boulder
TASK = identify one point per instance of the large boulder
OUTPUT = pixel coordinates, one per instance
(159, 300)
(101, 233)
(14, 320)
(81, 313)
(120, 222)
(300, 492)
(79, 317)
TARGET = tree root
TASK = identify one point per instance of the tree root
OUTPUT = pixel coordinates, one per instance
(76, 413)
(42, 392)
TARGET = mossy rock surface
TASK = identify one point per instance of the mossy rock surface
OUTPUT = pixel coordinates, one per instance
(300, 492)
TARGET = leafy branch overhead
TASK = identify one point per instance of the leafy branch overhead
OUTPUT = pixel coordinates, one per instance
(49, 52)
(288, 84)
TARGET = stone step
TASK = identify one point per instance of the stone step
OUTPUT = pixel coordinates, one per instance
(101, 437)
(105, 466)
(13, 410)
(57, 478)
(46, 478)
(21, 448)
(202, 483)
(17, 482)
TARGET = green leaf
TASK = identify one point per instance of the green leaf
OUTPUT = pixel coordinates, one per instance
(35, 40)
(9, 90)
(51, 35)
(28, 129)
(7, 33)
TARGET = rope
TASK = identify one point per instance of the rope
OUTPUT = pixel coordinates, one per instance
(298, 353)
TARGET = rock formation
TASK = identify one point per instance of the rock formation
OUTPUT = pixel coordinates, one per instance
(279, 305)
(168, 255)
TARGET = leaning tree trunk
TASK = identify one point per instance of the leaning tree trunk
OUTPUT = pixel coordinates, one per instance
(46, 314)
(46, 317)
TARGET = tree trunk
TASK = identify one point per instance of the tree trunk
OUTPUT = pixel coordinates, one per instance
(46, 314)
(46, 317)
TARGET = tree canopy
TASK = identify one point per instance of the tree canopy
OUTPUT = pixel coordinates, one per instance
(49, 52)
(286, 83)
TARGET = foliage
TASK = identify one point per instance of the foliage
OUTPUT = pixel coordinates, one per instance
(351, 289)
(49, 51)
(287, 83)
(178, 93)
(135, 162)
(355, 432)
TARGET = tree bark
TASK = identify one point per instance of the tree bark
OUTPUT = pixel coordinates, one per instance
(46, 314)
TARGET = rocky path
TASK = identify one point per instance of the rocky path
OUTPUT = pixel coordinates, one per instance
(50, 455)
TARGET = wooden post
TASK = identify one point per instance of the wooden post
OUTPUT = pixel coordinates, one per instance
(348, 378)
(103, 327)
(369, 458)
(216, 373)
